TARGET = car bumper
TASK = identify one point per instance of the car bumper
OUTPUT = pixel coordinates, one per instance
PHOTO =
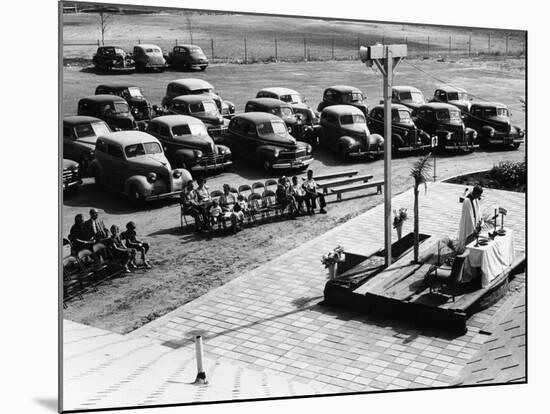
(506, 140)
(122, 68)
(211, 167)
(162, 196)
(461, 146)
(362, 153)
(71, 184)
(292, 164)
(413, 148)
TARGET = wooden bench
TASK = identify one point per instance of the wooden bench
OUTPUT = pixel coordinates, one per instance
(341, 190)
(348, 173)
(343, 181)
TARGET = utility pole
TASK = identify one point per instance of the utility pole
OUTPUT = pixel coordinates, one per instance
(386, 58)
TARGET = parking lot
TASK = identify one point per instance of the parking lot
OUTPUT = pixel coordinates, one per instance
(186, 265)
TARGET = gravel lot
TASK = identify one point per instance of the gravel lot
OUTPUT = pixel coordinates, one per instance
(186, 265)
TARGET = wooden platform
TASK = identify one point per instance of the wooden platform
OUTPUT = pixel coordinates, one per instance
(399, 291)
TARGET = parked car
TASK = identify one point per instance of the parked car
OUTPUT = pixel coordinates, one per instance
(133, 163)
(454, 96)
(204, 108)
(79, 136)
(187, 144)
(294, 122)
(113, 59)
(408, 96)
(298, 103)
(263, 138)
(406, 137)
(344, 130)
(147, 56)
(141, 109)
(112, 109)
(71, 175)
(188, 57)
(492, 122)
(343, 95)
(444, 121)
(192, 86)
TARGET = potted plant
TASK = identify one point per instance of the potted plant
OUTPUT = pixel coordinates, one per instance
(419, 172)
(331, 259)
(399, 218)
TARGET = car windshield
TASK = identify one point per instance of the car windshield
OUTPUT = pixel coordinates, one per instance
(282, 111)
(265, 129)
(411, 97)
(448, 115)
(91, 130)
(200, 91)
(134, 91)
(291, 98)
(495, 112)
(208, 107)
(121, 108)
(135, 150)
(189, 129)
(355, 97)
(401, 115)
(352, 119)
(457, 96)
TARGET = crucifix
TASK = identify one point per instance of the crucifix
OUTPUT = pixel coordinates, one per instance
(386, 58)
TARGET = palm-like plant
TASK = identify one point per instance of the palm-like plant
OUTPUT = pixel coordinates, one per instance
(419, 172)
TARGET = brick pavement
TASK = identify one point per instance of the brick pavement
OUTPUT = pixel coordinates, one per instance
(271, 319)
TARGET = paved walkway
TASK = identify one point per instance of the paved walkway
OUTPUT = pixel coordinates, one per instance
(270, 321)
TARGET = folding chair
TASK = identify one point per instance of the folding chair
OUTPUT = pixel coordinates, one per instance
(255, 202)
(258, 187)
(271, 182)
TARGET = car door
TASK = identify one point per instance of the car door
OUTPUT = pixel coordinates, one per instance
(116, 164)
(69, 143)
(476, 120)
(376, 121)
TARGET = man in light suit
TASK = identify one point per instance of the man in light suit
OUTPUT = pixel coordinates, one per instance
(95, 228)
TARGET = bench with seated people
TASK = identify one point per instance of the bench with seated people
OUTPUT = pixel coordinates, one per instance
(92, 254)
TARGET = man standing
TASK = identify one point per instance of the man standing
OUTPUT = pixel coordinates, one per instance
(95, 228)
(310, 187)
(471, 216)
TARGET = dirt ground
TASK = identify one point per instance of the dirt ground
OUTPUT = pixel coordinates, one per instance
(187, 265)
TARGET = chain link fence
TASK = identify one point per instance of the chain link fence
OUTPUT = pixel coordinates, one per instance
(322, 47)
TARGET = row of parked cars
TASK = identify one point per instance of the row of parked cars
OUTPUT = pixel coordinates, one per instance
(149, 57)
(196, 131)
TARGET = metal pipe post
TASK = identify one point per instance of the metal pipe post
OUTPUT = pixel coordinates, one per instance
(201, 375)
(387, 155)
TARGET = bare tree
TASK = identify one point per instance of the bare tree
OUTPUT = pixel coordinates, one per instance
(104, 22)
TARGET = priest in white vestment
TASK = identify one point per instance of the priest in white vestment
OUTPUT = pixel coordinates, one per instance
(471, 216)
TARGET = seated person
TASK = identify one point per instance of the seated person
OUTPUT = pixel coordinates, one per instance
(244, 207)
(124, 255)
(216, 214)
(298, 192)
(191, 206)
(95, 228)
(203, 193)
(228, 201)
(78, 236)
(284, 198)
(310, 188)
(130, 237)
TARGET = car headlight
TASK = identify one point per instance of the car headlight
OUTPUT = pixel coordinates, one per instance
(176, 173)
(289, 129)
(520, 132)
(276, 153)
(406, 134)
(151, 177)
(114, 62)
(492, 133)
(198, 153)
(308, 149)
(474, 134)
(449, 135)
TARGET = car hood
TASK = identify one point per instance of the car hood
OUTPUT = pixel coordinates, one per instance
(69, 164)
(87, 141)
(154, 162)
(465, 105)
(209, 119)
(287, 142)
(198, 142)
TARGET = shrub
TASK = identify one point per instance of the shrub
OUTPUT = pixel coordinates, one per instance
(510, 174)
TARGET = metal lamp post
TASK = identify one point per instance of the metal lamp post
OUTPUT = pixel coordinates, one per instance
(386, 58)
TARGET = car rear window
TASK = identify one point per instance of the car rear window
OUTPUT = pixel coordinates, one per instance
(91, 130)
(136, 150)
(272, 127)
(352, 119)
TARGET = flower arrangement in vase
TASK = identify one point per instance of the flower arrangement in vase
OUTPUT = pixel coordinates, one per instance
(399, 217)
